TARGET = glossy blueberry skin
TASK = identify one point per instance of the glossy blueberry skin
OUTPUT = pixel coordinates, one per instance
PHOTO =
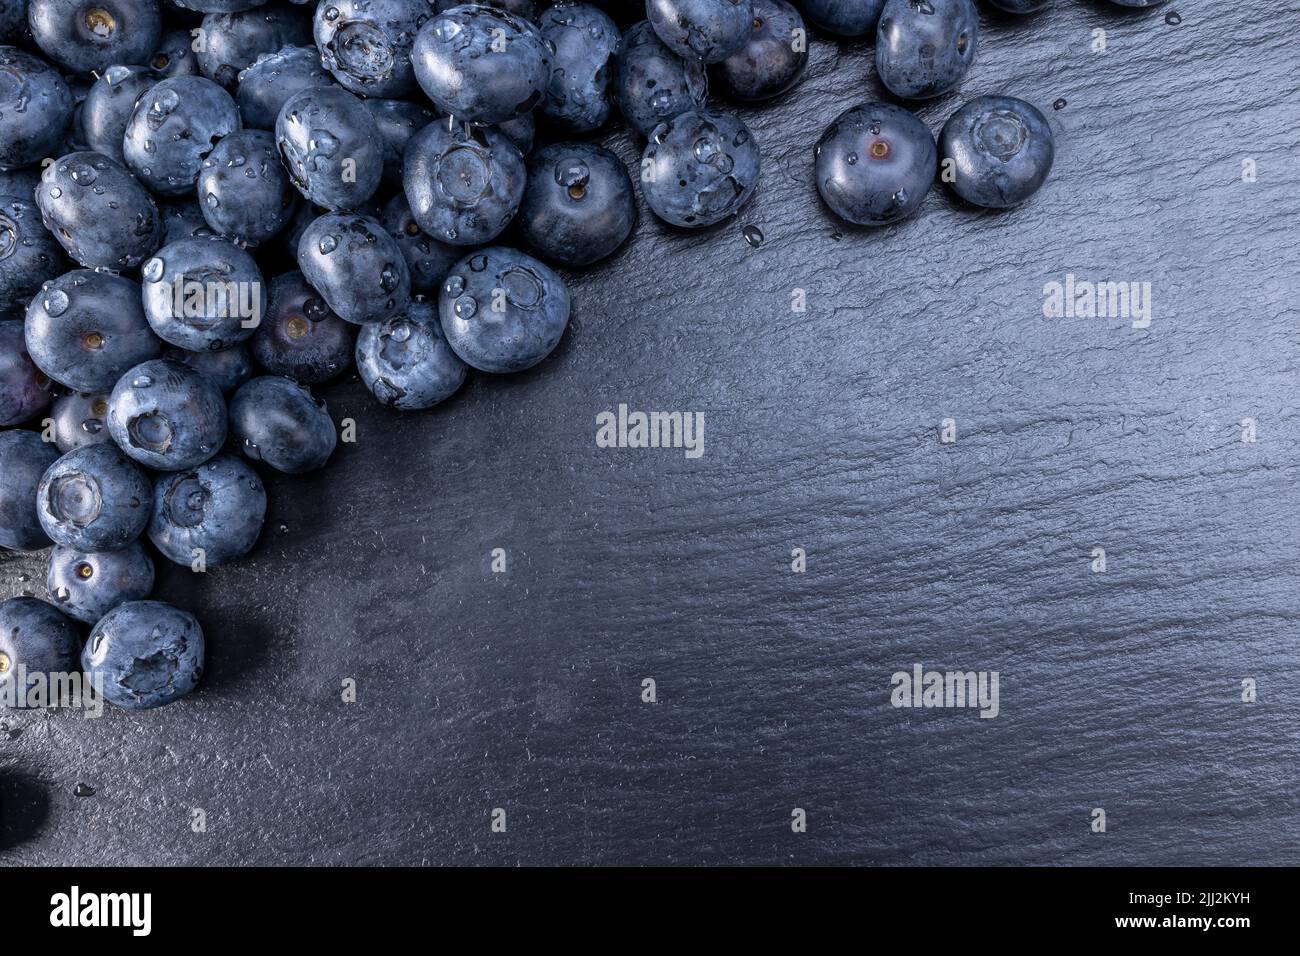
(222, 297)
(29, 255)
(356, 266)
(30, 134)
(318, 131)
(175, 55)
(585, 41)
(300, 338)
(167, 415)
(277, 421)
(579, 205)
(244, 192)
(406, 362)
(217, 507)
(24, 389)
(427, 259)
(84, 329)
(1001, 151)
(79, 419)
(94, 498)
(24, 459)
(767, 64)
(109, 104)
(37, 639)
(692, 185)
(99, 212)
(707, 30)
(87, 585)
(86, 36)
(275, 78)
(398, 121)
(874, 164)
(145, 654)
(366, 44)
(653, 84)
(1022, 6)
(464, 183)
(923, 50)
(228, 369)
(458, 65)
(233, 41)
(534, 303)
(845, 18)
(173, 128)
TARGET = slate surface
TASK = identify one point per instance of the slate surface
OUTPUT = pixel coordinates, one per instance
(1119, 690)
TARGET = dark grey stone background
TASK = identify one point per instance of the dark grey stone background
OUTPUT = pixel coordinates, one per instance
(1119, 690)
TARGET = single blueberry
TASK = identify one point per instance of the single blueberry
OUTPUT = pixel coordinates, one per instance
(29, 255)
(233, 41)
(175, 55)
(366, 44)
(275, 78)
(874, 164)
(108, 106)
(24, 459)
(203, 294)
(924, 48)
(502, 310)
(228, 369)
(174, 127)
(427, 259)
(707, 30)
(145, 654)
(1000, 150)
(244, 192)
(210, 514)
(398, 121)
(578, 206)
(699, 168)
(480, 64)
(36, 107)
(89, 36)
(520, 130)
(94, 498)
(406, 361)
(652, 83)
(300, 337)
(331, 146)
(845, 18)
(80, 418)
(87, 585)
(463, 182)
(35, 638)
(167, 415)
(772, 59)
(356, 266)
(277, 421)
(84, 329)
(98, 212)
(585, 41)
(24, 389)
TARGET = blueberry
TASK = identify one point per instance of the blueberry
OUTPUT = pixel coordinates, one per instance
(845, 18)
(167, 415)
(35, 639)
(406, 361)
(277, 421)
(174, 127)
(175, 55)
(654, 84)
(463, 182)
(183, 219)
(29, 255)
(331, 146)
(398, 121)
(924, 49)
(244, 192)
(1000, 150)
(427, 259)
(480, 64)
(699, 168)
(203, 294)
(366, 44)
(773, 57)
(228, 369)
(233, 41)
(24, 389)
(36, 107)
(356, 266)
(20, 182)
(79, 419)
(84, 329)
(874, 164)
(87, 585)
(1020, 6)
(145, 654)
(89, 36)
(300, 337)
(708, 30)
(585, 41)
(274, 79)
(502, 310)
(24, 458)
(108, 107)
(98, 212)
(94, 498)
(213, 512)
(521, 130)
(578, 206)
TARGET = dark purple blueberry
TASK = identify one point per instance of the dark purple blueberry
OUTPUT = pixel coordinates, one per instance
(706, 30)
(24, 389)
(228, 369)
(366, 44)
(427, 259)
(278, 422)
(36, 107)
(145, 654)
(98, 212)
(175, 55)
(86, 585)
(35, 639)
(210, 514)
(398, 121)
(844, 18)
(331, 146)
(585, 41)
(406, 361)
(463, 182)
(233, 41)
(244, 192)
(89, 36)
(874, 164)
(772, 59)
(80, 419)
(109, 104)
(274, 79)
(924, 49)
(94, 498)
(578, 206)
(24, 459)
(29, 255)
(699, 168)
(300, 337)
(183, 219)
(653, 84)
(167, 415)
(998, 150)
(203, 294)
(356, 266)
(174, 127)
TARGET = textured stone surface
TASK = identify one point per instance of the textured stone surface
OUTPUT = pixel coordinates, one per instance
(1118, 690)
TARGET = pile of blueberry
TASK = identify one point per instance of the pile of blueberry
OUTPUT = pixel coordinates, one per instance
(208, 206)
